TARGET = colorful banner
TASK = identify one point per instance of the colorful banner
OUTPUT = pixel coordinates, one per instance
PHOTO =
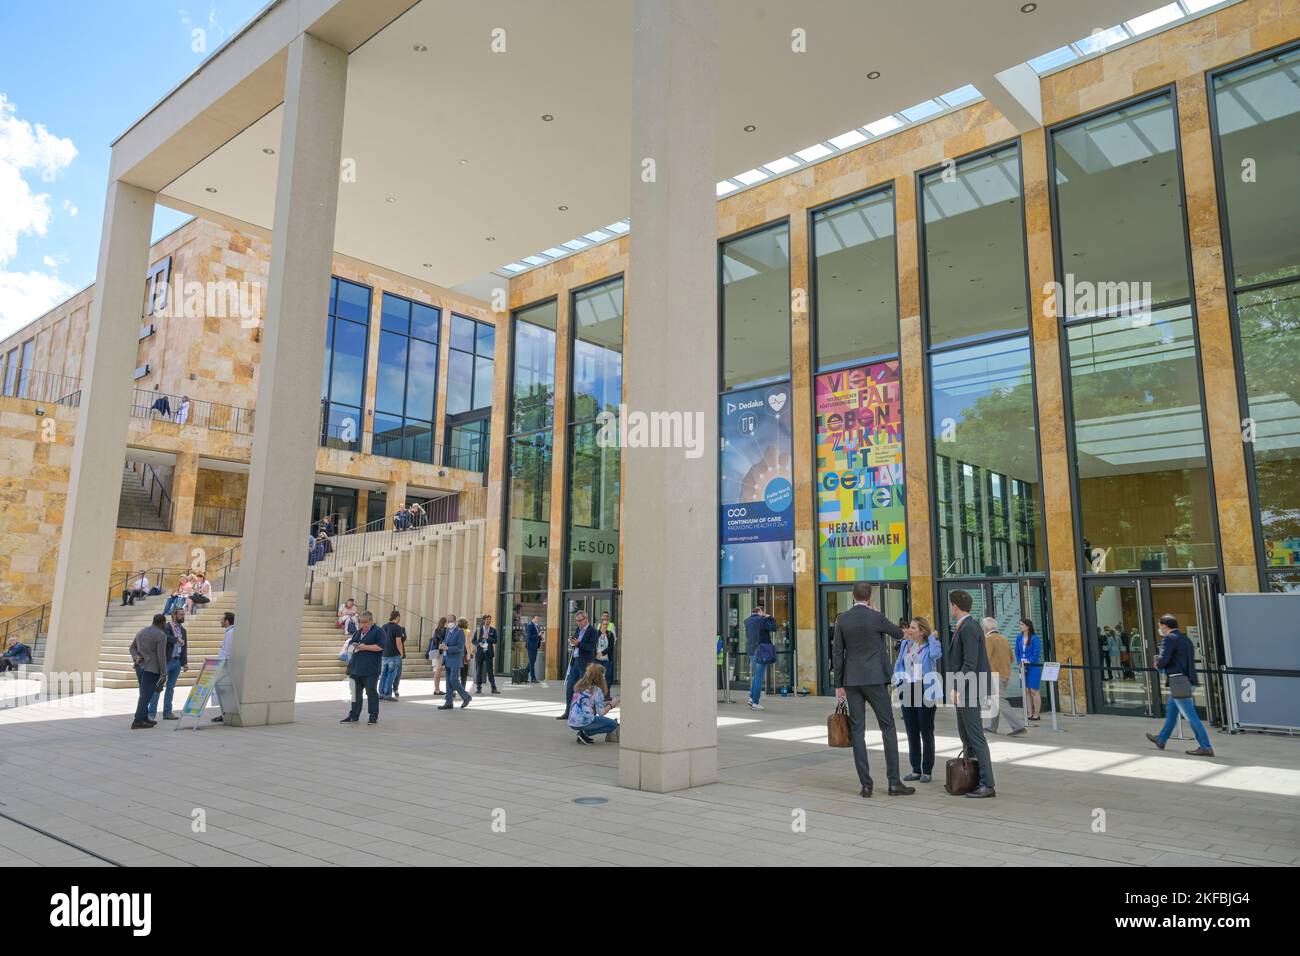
(861, 496)
(757, 493)
(203, 687)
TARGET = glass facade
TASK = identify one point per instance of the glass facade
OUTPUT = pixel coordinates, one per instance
(596, 390)
(347, 331)
(856, 280)
(406, 386)
(1138, 423)
(756, 307)
(470, 366)
(986, 488)
(1257, 126)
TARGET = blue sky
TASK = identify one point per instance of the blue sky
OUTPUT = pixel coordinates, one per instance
(74, 75)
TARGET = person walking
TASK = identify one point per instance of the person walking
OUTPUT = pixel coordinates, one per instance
(1177, 658)
(760, 650)
(582, 654)
(227, 643)
(1029, 654)
(363, 668)
(390, 671)
(435, 655)
(860, 651)
(177, 661)
(966, 666)
(920, 685)
(588, 715)
(999, 651)
(533, 641)
(149, 656)
(453, 645)
(485, 655)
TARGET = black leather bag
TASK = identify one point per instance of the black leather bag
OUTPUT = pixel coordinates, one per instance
(961, 774)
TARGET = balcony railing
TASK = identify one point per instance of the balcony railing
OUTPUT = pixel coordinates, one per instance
(38, 386)
(213, 520)
(151, 405)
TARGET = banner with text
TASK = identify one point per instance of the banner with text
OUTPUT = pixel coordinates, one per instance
(757, 493)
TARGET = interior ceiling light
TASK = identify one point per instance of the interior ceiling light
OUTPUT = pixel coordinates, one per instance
(873, 75)
(390, 199)
(1029, 8)
(211, 189)
(268, 150)
(462, 162)
(547, 117)
(490, 238)
(420, 48)
(428, 265)
(562, 208)
(750, 128)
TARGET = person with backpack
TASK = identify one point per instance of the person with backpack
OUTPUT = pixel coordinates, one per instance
(588, 708)
(758, 645)
(1177, 659)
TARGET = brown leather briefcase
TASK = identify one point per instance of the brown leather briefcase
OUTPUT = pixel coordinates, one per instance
(837, 727)
(961, 774)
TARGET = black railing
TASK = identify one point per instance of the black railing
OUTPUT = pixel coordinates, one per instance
(418, 628)
(38, 386)
(183, 410)
(158, 510)
(209, 519)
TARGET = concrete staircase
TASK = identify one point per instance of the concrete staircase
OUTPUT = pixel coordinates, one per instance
(317, 657)
(136, 510)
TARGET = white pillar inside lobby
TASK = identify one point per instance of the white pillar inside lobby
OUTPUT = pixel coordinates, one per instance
(268, 629)
(669, 732)
(99, 449)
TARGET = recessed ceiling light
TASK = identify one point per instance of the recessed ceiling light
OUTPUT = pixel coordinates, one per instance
(420, 48)
(390, 199)
(750, 128)
(491, 238)
(873, 75)
(547, 117)
(562, 208)
(462, 162)
(212, 189)
(428, 265)
(1029, 8)
(268, 150)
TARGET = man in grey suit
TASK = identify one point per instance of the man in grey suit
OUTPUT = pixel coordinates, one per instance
(860, 657)
(968, 676)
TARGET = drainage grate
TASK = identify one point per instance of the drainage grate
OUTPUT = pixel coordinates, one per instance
(590, 801)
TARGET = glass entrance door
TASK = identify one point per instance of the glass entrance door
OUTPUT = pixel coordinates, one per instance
(737, 605)
(1007, 601)
(892, 600)
(339, 504)
(595, 604)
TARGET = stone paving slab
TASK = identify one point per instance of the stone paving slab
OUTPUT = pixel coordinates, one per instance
(431, 788)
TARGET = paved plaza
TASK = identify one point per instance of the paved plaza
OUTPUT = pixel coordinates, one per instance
(496, 784)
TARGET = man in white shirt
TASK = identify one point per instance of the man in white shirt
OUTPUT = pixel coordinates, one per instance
(137, 589)
(228, 622)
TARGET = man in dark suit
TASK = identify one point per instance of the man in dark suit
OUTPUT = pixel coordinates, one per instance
(582, 648)
(533, 640)
(484, 660)
(863, 675)
(968, 674)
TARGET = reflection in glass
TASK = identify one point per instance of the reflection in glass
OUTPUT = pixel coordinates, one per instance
(348, 374)
(597, 350)
(1258, 122)
(756, 307)
(1269, 323)
(533, 402)
(390, 389)
(988, 497)
(1144, 496)
(975, 249)
(856, 280)
(528, 497)
(1119, 199)
(593, 510)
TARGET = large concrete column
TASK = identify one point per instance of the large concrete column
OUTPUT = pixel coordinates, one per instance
(185, 483)
(670, 734)
(81, 579)
(265, 656)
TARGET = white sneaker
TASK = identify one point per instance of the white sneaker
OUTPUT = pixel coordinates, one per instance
(754, 706)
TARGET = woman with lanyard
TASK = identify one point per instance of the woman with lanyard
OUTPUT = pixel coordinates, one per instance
(920, 685)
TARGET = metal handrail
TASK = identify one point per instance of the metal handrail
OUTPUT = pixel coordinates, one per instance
(386, 606)
(39, 386)
(211, 519)
(211, 415)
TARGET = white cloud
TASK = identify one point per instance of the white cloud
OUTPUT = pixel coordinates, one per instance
(70, 207)
(50, 263)
(25, 148)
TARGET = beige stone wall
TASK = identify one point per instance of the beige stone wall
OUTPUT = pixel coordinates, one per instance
(221, 489)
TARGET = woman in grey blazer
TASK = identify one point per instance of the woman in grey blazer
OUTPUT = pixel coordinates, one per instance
(453, 647)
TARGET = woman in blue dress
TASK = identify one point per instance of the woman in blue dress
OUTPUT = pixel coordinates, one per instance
(1029, 653)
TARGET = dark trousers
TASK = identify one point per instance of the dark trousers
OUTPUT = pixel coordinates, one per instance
(464, 672)
(532, 661)
(877, 695)
(575, 673)
(129, 596)
(483, 662)
(1106, 673)
(456, 683)
(148, 681)
(369, 683)
(970, 726)
(919, 722)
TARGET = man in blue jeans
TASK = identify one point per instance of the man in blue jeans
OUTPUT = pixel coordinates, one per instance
(1177, 656)
(758, 631)
(390, 672)
(177, 661)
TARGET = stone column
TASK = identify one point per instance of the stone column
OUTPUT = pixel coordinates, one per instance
(805, 518)
(670, 735)
(363, 504)
(557, 562)
(264, 661)
(185, 481)
(915, 376)
(81, 577)
(396, 498)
